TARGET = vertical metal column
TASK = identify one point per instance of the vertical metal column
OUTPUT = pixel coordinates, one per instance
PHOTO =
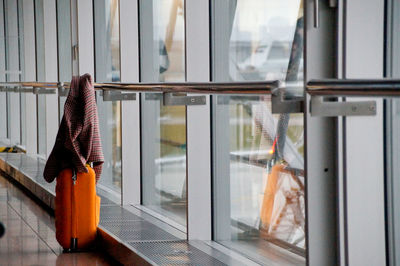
(364, 151)
(392, 131)
(224, 12)
(150, 109)
(3, 95)
(29, 47)
(198, 122)
(22, 99)
(40, 76)
(51, 72)
(129, 48)
(320, 142)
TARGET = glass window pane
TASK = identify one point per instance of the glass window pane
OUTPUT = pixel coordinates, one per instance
(163, 127)
(12, 68)
(22, 72)
(258, 156)
(107, 54)
(64, 47)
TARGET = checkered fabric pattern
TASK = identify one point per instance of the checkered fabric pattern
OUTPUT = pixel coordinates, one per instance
(78, 139)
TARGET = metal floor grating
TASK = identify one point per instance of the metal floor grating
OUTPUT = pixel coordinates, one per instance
(116, 213)
(106, 201)
(131, 231)
(174, 253)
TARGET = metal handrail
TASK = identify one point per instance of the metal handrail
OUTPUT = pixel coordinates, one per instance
(354, 87)
(264, 87)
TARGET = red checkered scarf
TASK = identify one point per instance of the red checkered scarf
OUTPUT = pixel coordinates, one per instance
(78, 139)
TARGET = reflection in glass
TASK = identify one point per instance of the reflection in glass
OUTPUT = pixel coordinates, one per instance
(107, 53)
(163, 127)
(258, 156)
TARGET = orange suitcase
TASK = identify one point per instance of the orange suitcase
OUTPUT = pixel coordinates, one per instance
(77, 210)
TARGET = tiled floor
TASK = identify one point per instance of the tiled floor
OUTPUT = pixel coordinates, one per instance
(30, 234)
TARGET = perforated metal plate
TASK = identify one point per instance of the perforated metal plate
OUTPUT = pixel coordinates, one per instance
(174, 253)
(106, 201)
(130, 231)
(116, 213)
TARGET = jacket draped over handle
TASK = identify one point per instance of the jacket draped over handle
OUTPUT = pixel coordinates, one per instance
(78, 139)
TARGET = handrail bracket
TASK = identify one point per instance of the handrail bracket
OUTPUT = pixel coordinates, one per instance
(170, 98)
(109, 95)
(37, 90)
(62, 91)
(280, 105)
(322, 108)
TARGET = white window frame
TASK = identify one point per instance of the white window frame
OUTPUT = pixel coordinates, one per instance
(3, 95)
(51, 66)
(363, 175)
(29, 47)
(198, 122)
(320, 164)
(129, 51)
(393, 126)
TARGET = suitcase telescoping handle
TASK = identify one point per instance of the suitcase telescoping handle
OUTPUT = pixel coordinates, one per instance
(74, 177)
(74, 239)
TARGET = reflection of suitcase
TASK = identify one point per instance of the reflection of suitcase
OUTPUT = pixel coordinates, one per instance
(77, 209)
(269, 197)
(283, 199)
